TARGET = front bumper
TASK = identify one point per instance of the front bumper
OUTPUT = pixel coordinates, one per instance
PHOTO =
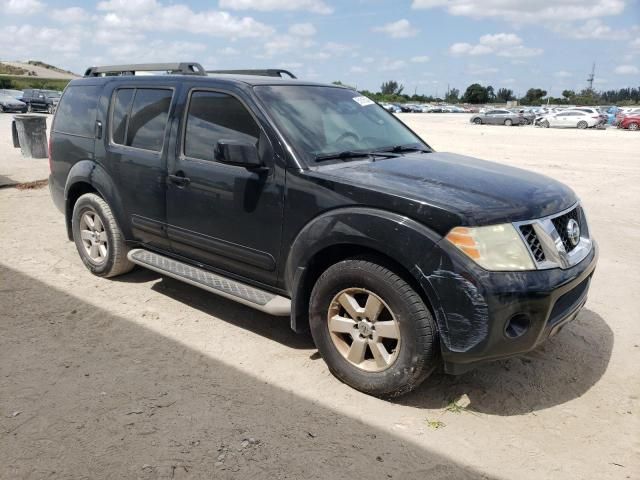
(477, 310)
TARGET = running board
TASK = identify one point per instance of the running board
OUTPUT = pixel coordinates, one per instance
(225, 287)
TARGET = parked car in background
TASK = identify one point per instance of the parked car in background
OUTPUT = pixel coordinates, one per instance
(498, 117)
(389, 107)
(593, 111)
(569, 119)
(528, 114)
(631, 122)
(41, 100)
(17, 94)
(623, 112)
(10, 104)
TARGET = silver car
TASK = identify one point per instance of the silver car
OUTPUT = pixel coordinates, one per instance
(498, 117)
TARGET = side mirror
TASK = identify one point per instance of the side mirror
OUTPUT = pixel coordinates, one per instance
(234, 152)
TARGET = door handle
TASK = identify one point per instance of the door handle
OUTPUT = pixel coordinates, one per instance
(179, 179)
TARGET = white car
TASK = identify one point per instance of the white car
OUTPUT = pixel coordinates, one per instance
(569, 119)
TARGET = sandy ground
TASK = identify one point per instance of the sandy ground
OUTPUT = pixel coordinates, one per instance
(145, 377)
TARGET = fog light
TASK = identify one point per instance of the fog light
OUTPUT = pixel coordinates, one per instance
(517, 326)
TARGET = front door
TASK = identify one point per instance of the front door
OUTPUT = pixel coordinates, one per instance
(221, 215)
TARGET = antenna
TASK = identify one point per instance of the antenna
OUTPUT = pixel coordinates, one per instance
(592, 77)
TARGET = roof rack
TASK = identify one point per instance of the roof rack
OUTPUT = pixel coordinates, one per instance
(183, 68)
(269, 72)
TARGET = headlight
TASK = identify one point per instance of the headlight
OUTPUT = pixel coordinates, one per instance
(496, 247)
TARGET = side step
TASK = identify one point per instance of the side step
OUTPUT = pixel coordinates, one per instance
(225, 287)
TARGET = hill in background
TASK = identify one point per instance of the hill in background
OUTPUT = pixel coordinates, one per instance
(35, 68)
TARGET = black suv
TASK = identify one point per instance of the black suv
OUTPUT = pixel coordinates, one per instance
(312, 201)
(41, 100)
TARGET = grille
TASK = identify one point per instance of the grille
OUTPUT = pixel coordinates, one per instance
(533, 241)
(561, 227)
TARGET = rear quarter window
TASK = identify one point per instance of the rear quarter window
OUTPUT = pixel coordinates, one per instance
(76, 113)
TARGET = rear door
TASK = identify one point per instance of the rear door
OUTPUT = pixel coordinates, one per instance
(135, 155)
(225, 216)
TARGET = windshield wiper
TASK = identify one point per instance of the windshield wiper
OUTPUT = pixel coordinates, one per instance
(353, 154)
(408, 148)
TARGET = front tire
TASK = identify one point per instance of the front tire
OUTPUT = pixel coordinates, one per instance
(633, 126)
(582, 125)
(508, 122)
(477, 121)
(372, 329)
(98, 238)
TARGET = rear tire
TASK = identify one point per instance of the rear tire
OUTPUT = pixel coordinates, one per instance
(544, 124)
(477, 121)
(582, 125)
(387, 361)
(508, 122)
(98, 238)
(633, 126)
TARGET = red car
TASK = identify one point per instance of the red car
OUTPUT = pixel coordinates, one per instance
(632, 122)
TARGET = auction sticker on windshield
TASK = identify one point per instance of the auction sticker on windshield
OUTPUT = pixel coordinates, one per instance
(364, 101)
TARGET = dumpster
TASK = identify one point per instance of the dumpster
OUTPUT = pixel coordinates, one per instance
(29, 132)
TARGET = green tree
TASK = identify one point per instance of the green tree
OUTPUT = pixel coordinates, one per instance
(568, 94)
(491, 93)
(391, 88)
(505, 95)
(534, 96)
(453, 96)
(476, 93)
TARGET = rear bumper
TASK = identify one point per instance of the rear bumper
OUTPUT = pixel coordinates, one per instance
(492, 315)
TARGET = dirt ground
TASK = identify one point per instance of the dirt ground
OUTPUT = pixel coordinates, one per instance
(145, 377)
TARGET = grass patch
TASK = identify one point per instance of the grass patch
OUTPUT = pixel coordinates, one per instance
(21, 83)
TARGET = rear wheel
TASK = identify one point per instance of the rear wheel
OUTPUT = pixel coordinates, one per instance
(477, 121)
(634, 126)
(582, 125)
(98, 238)
(508, 122)
(372, 329)
(544, 124)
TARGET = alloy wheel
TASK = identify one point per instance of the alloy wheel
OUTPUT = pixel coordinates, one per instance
(364, 329)
(94, 236)
(634, 126)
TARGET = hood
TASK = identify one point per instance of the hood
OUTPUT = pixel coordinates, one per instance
(478, 192)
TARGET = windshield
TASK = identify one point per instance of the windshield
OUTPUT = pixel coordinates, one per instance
(321, 121)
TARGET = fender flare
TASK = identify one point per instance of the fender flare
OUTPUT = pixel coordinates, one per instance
(402, 239)
(91, 173)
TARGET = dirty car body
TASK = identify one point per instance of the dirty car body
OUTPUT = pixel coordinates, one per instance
(324, 192)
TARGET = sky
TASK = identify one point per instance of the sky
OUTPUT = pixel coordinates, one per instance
(426, 45)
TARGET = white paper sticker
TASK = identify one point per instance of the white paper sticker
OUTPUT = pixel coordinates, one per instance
(364, 101)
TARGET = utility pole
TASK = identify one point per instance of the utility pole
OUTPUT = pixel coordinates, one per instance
(592, 77)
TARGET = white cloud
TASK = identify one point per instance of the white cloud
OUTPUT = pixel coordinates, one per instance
(229, 51)
(481, 70)
(70, 15)
(501, 44)
(520, 11)
(315, 6)
(400, 29)
(388, 65)
(302, 29)
(636, 43)
(153, 16)
(420, 59)
(357, 69)
(627, 70)
(368, 60)
(21, 7)
(562, 74)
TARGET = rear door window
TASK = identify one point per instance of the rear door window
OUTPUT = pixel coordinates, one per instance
(139, 117)
(76, 113)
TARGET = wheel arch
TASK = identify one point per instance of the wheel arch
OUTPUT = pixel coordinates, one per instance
(87, 176)
(399, 243)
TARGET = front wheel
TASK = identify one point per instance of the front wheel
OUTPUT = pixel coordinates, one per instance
(582, 125)
(98, 238)
(508, 122)
(544, 124)
(634, 126)
(477, 121)
(372, 329)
